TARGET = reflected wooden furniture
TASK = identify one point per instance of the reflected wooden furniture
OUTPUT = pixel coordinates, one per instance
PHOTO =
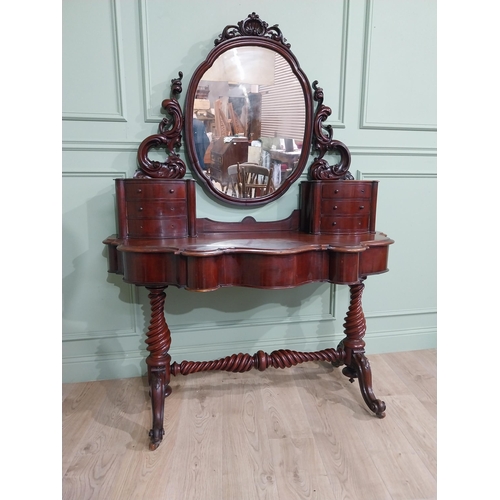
(226, 152)
(256, 180)
(286, 157)
(254, 118)
(288, 160)
(234, 181)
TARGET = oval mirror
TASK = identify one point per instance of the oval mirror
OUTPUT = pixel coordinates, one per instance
(248, 116)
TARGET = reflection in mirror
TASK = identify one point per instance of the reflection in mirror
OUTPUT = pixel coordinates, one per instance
(249, 110)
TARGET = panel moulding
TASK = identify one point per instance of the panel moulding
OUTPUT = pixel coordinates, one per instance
(391, 151)
(146, 66)
(103, 334)
(401, 333)
(120, 115)
(292, 343)
(397, 175)
(258, 323)
(113, 175)
(365, 123)
(402, 312)
(114, 146)
(337, 122)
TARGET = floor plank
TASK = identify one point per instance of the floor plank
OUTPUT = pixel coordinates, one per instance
(303, 433)
(415, 373)
(300, 472)
(334, 410)
(248, 469)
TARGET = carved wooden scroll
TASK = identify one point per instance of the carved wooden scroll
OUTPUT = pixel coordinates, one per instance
(168, 137)
(252, 26)
(323, 142)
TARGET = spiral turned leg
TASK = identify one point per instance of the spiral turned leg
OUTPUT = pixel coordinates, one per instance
(353, 345)
(158, 361)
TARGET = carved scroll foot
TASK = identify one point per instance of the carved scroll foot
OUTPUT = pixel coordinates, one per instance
(361, 370)
(158, 361)
(158, 389)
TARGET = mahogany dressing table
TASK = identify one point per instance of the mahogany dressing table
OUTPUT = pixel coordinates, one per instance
(330, 237)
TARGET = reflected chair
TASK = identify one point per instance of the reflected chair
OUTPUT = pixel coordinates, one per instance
(234, 181)
(256, 180)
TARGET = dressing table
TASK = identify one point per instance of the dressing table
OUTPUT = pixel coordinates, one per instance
(330, 237)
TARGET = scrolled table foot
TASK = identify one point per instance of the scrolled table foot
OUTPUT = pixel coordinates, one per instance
(158, 362)
(360, 366)
(159, 389)
(155, 439)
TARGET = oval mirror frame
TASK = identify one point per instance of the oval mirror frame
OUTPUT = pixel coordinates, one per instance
(251, 32)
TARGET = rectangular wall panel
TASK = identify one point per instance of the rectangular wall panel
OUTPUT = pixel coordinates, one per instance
(92, 61)
(91, 307)
(400, 65)
(411, 283)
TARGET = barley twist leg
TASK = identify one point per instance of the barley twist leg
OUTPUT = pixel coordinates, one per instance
(353, 345)
(158, 362)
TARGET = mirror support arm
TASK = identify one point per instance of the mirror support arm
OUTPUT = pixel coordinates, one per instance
(168, 137)
(323, 142)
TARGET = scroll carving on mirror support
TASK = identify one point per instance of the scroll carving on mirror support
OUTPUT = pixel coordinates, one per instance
(323, 142)
(168, 137)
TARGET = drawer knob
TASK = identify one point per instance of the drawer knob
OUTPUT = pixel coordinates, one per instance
(140, 209)
(361, 207)
(171, 191)
(335, 207)
(362, 190)
(336, 191)
(334, 223)
(139, 190)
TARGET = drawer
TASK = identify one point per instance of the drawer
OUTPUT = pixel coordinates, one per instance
(171, 227)
(345, 207)
(145, 209)
(347, 189)
(167, 190)
(340, 224)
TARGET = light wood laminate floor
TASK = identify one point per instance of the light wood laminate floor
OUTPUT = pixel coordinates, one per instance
(299, 433)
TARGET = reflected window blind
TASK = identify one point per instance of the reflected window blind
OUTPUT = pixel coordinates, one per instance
(283, 109)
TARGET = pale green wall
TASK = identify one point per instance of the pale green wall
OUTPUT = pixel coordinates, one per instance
(377, 66)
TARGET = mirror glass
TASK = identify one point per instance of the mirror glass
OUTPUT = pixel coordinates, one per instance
(248, 123)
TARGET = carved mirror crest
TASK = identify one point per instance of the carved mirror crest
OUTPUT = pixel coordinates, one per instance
(248, 122)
